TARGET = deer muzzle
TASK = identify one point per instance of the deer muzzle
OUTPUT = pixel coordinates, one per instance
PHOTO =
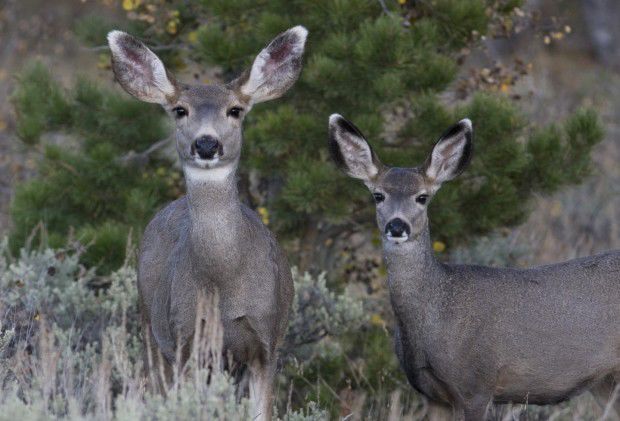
(207, 147)
(397, 231)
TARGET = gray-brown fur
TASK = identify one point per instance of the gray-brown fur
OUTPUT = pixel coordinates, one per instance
(468, 336)
(208, 240)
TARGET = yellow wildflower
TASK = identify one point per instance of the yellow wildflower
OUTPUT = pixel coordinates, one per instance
(264, 214)
(377, 320)
(172, 27)
(192, 37)
(131, 4)
(439, 246)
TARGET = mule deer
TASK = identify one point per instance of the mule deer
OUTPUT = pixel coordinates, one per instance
(208, 240)
(468, 336)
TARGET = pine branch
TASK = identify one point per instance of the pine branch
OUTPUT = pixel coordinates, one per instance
(141, 159)
(384, 7)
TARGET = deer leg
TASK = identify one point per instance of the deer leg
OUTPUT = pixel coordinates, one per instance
(475, 409)
(261, 390)
(157, 370)
(438, 412)
(242, 378)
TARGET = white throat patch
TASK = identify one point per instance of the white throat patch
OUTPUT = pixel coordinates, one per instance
(208, 174)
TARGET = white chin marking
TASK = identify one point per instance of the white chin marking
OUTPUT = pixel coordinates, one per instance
(207, 163)
(397, 240)
(209, 174)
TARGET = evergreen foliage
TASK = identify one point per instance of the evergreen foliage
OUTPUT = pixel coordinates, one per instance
(87, 190)
(362, 61)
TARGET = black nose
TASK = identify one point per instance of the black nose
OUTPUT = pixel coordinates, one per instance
(206, 147)
(397, 227)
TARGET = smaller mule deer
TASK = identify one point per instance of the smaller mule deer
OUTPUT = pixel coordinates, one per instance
(466, 335)
(209, 241)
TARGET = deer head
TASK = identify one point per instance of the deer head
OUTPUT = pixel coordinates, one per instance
(402, 195)
(208, 117)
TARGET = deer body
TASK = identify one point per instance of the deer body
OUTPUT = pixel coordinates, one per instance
(466, 335)
(538, 335)
(189, 248)
(208, 241)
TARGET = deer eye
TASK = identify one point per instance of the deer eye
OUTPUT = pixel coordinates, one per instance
(179, 112)
(234, 112)
(422, 199)
(379, 197)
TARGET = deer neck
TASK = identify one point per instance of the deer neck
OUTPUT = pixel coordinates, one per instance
(414, 275)
(216, 217)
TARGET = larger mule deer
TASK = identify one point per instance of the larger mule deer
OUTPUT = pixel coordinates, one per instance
(208, 240)
(468, 336)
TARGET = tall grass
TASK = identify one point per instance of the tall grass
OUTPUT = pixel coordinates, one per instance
(71, 349)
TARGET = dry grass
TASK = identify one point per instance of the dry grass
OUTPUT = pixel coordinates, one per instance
(69, 352)
(51, 380)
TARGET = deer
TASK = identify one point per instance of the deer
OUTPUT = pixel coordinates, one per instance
(208, 240)
(467, 336)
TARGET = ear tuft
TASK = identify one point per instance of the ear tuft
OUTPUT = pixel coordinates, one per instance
(339, 121)
(451, 154)
(114, 39)
(334, 149)
(139, 71)
(276, 68)
(350, 150)
(467, 123)
(333, 118)
(302, 33)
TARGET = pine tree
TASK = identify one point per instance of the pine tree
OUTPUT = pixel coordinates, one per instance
(88, 193)
(365, 58)
(362, 62)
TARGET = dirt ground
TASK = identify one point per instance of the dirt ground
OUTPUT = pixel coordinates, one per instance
(578, 221)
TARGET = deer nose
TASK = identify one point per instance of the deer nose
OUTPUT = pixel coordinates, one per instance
(207, 146)
(397, 228)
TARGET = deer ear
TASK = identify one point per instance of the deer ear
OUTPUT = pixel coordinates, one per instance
(351, 151)
(276, 68)
(451, 153)
(139, 71)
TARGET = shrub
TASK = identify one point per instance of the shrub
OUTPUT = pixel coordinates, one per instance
(70, 344)
(89, 191)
